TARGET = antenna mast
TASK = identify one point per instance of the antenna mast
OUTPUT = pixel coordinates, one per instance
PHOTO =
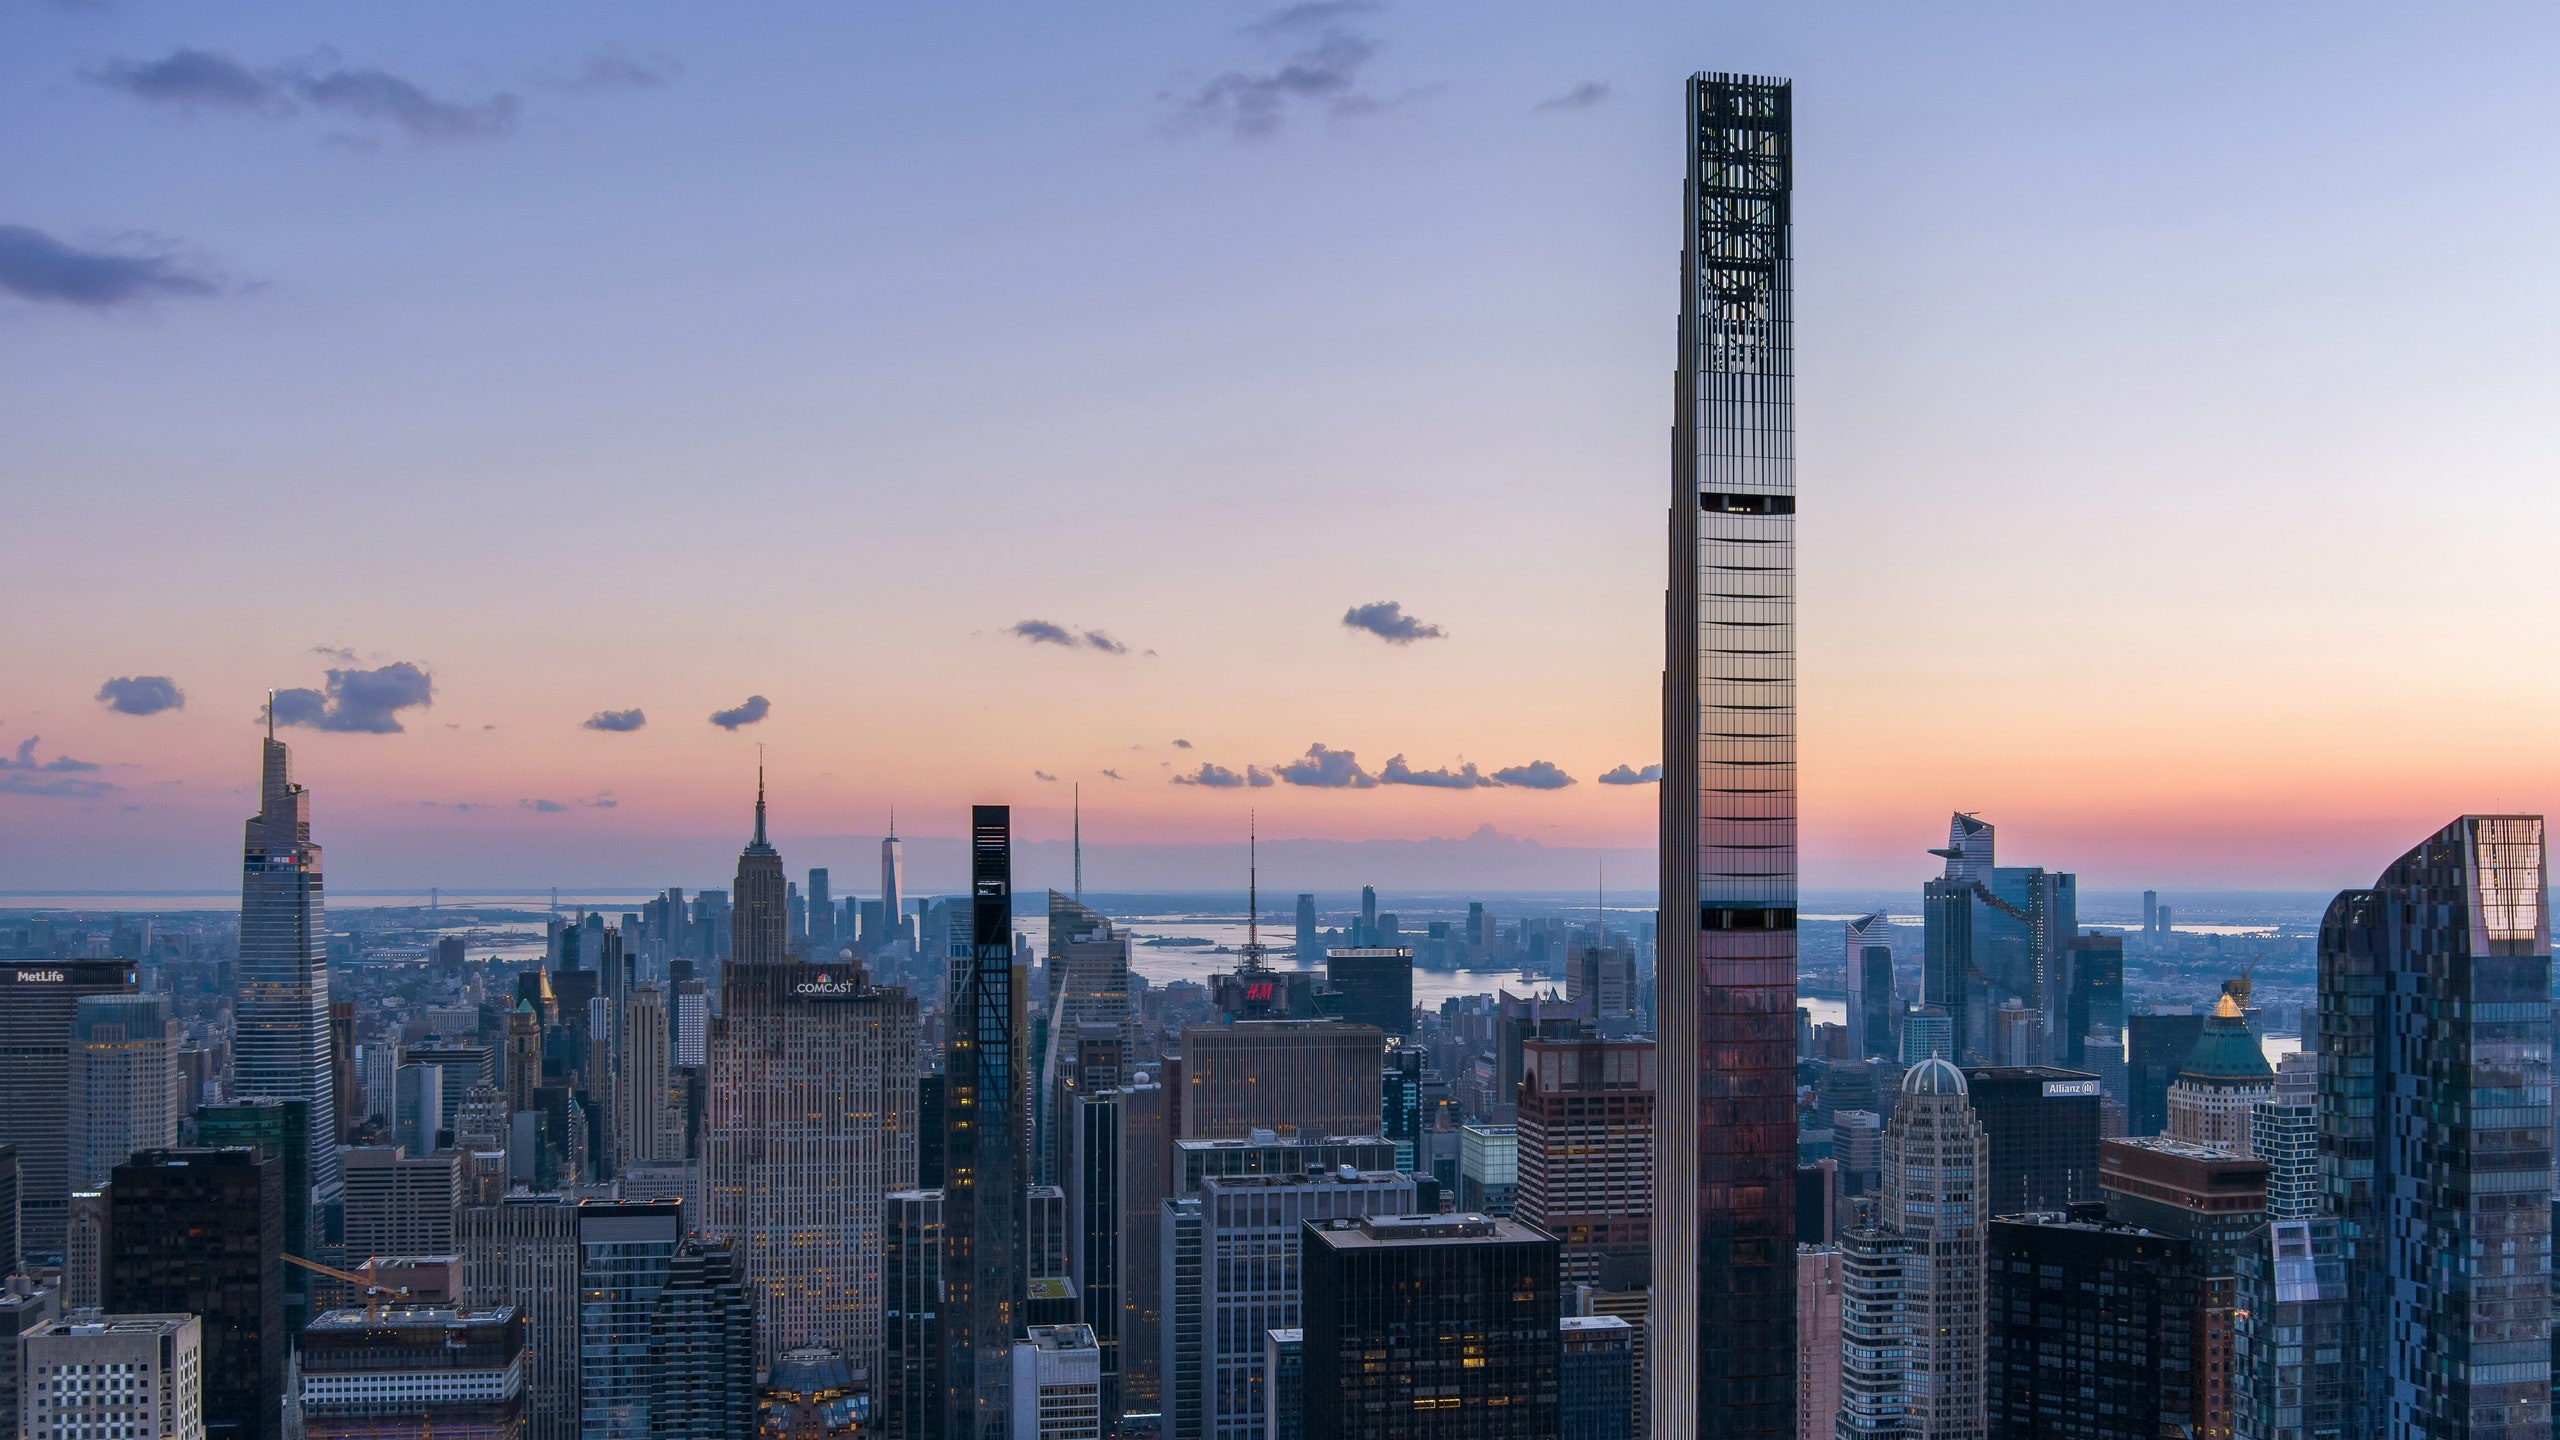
(1252, 895)
(1079, 842)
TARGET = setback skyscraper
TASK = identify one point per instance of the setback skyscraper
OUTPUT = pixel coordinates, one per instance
(1723, 1312)
(2435, 1076)
(39, 1000)
(280, 1039)
(760, 920)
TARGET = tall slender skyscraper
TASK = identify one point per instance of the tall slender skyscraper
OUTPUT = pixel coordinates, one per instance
(983, 1274)
(2435, 1075)
(280, 1038)
(759, 918)
(893, 884)
(1723, 1309)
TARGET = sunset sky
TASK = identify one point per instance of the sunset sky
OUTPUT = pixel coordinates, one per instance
(2177, 427)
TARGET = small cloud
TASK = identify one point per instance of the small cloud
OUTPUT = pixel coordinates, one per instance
(1215, 777)
(141, 694)
(1044, 775)
(613, 70)
(54, 789)
(1629, 775)
(619, 722)
(1536, 775)
(1386, 620)
(339, 653)
(58, 765)
(1320, 70)
(1326, 769)
(359, 702)
(607, 803)
(547, 807)
(1115, 775)
(373, 94)
(1463, 778)
(1043, 632)
(35, 266)
(1181, 744)
(756, 708)
(189, 78)
(1580, 97)
(1257, 777)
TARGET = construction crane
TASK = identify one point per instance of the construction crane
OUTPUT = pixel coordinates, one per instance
(370, 1283)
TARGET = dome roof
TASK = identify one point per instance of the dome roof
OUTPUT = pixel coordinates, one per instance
(2226, 1052)
(1933, 1076)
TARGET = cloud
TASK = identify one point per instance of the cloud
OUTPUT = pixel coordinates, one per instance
(189, 77)
(756, 708)
(372, 94)
(359, 702)
(1215, 777)
(1629, 775)
(1043, 632)
(547, 807)
(1044, 775)
(142, 694)
(1386, 620)
(1321, 70)
(35, 266)
(1580, 97)
(58, 765)
(619, 722)
(1463, 778)
(1181, 744)
(555, 807)
(1536, 775)
(54, 789)
(613, 70)
(1257, 777)
(1114, 774)
(1327, 770)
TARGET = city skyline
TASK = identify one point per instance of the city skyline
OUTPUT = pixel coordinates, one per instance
(2162, 707)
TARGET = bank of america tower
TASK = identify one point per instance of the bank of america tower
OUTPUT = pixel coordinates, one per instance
(1723, 1306)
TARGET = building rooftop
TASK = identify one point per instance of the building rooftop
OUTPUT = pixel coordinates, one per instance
(1379, 1231)
(1060, 1337)
(1589, 1324)
(410, 1317)
(1933, 1076)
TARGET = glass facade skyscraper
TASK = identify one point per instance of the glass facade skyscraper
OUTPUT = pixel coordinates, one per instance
(1723, 1307)
(280, 1038)
(984, 1278)
(2435, 1116)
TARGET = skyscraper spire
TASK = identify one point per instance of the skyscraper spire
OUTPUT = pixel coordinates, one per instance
(760, 795)
(1079, 840)
(1252, 894)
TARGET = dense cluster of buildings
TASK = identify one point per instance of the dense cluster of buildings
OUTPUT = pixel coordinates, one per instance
(764, 1161)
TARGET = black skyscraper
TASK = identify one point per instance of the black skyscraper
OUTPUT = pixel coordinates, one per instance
(984, 1277)
(1376, 986)
(200, 1232)
(2089, 1335)
(2043, 1127)
(2160, 1045)
(1465, 1306)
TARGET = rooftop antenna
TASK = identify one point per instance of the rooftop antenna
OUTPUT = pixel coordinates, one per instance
(1252, 894)
(1079, 842)
(271, 715)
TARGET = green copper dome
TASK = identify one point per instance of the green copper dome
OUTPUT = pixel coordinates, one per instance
(2226, 1051)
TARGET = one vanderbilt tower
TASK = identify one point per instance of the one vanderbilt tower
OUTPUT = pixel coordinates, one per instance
(1723, 1310)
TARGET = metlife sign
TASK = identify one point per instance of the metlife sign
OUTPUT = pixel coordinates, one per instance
(2055, 1089)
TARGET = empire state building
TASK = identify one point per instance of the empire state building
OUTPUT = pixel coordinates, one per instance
(280, 1038)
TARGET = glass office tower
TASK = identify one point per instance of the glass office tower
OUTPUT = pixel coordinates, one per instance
(983, 1274)
(280, 1040)
(2435, 1133)
(1723, 1308)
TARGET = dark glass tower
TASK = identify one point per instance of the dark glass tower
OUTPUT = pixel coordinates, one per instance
(983, 1275)
(280, 1043)
(1466, 1307)
(199, 1232)
(2435, 1118)
(1723, 1309)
